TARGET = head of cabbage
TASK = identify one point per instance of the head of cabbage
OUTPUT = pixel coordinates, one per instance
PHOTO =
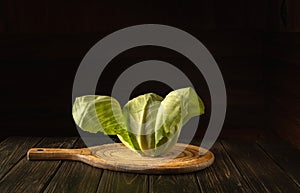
(148, 124)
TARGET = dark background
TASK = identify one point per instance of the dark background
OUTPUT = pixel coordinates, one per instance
(255, 42)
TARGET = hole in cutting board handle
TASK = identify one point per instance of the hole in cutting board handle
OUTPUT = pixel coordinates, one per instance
(39, 150)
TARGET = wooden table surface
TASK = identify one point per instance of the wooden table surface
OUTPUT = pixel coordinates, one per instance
(239, 167)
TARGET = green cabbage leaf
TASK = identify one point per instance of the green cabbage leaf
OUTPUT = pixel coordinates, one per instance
(148, 124)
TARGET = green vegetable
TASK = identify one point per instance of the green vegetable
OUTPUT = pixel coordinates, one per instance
(147, 124)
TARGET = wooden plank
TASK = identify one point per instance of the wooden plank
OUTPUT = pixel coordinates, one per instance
(61, 47)
(283, 47)
(2, 138)
(32, 176)
(287, 104)
(286, 156)
(174, 183)
(75, 176)
(222, 176)
(12, 150)
(259, 170)
(282, 81)
(284, 123)
(119, 182)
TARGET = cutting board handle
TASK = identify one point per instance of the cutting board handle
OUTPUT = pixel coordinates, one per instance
(55, 153)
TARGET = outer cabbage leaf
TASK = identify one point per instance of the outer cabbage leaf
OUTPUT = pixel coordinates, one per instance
(175, 111)
(101, 114)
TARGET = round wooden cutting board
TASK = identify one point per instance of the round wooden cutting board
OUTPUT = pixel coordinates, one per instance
(182, 158)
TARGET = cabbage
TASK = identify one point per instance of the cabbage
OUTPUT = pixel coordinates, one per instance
(148, 124)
